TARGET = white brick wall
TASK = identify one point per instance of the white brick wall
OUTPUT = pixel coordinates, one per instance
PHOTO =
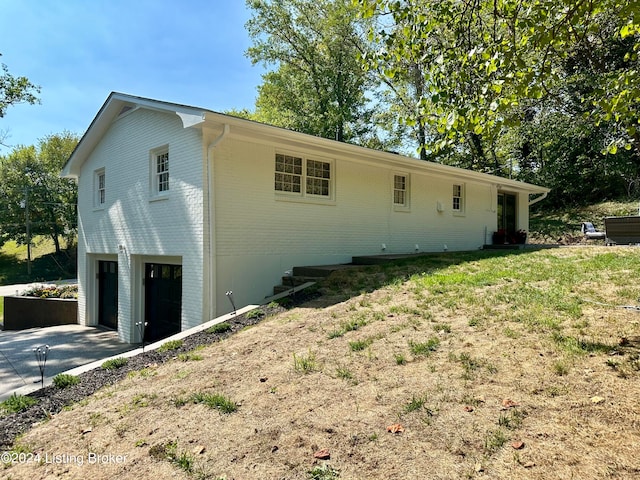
(258, 235)
(147, 230)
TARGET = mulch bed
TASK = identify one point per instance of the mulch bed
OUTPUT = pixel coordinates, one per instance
(52, 399)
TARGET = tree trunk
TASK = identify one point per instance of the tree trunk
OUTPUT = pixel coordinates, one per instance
(56, 240)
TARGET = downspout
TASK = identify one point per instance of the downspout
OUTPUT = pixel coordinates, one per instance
(212, 216)
(538, 199)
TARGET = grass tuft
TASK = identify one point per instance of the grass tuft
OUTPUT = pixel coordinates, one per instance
(115, 363)
(219, 328)
(215, 401)
(170, 345)
(64, 380)
(323, 472)
(360, 345)
(424, 349)
(17, 403)
(305, 363)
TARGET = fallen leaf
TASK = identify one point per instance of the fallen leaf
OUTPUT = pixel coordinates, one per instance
(322, 454)
(517, 445)
(198, 450)
(508, 403)
(395, 428)
(87, 430)
(529, 465)
(597, 399)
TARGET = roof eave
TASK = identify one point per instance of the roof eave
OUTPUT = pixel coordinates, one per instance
(254, 129)
(111, 108)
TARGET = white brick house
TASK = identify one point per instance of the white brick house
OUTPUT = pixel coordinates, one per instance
(178, 205)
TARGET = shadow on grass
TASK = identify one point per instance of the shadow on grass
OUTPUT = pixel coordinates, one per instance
(47, 267)
(580, 345)
(358, 279)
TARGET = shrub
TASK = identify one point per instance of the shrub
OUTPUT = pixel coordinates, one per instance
(17, 403)
(219, 328)
(170, 345)
(257, 313)
(53, 291)
(64, 380)
(115, 363)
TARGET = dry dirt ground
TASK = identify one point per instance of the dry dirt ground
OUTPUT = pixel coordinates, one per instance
(379, 385)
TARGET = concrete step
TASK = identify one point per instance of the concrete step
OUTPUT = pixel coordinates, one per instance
(298, 280)
(317, 271)
(288, 283)
(387, 258)
(281, 289)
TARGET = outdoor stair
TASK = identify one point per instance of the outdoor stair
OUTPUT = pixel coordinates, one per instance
(288, 282)
(302, 275)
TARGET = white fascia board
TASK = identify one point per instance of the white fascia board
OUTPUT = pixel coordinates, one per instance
(254, 131)
(190, 116)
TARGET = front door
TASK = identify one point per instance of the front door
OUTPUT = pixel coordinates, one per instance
(507, 213)
(163, 300)
(108, 294)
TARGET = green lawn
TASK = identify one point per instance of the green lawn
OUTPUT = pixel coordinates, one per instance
(45, 265)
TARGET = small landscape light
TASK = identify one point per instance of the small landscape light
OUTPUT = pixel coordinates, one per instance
(41, 353)
(142, 326)
(229, 295)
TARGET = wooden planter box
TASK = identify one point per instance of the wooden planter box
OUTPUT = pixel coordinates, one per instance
(622, 230)
(28, 312)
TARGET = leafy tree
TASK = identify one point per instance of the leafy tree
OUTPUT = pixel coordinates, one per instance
(401, 89)
(482, 60)
(318, 85)
(565, 153)
(15, 90)
(563, 143)
(30, 176)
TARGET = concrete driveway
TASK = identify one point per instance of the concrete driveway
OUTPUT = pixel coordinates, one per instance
(70, 346)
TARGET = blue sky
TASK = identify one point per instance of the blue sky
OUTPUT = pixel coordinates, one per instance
(78, 51)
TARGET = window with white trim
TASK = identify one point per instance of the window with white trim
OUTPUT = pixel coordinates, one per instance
(100, 191)
(318, 178)
(458, 198)
(162, 171)
(304, 177)
(159, 169)
(288, 173)
(400, 190)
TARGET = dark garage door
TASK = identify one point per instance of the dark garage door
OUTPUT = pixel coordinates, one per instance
(108, 294)
(163, 300)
